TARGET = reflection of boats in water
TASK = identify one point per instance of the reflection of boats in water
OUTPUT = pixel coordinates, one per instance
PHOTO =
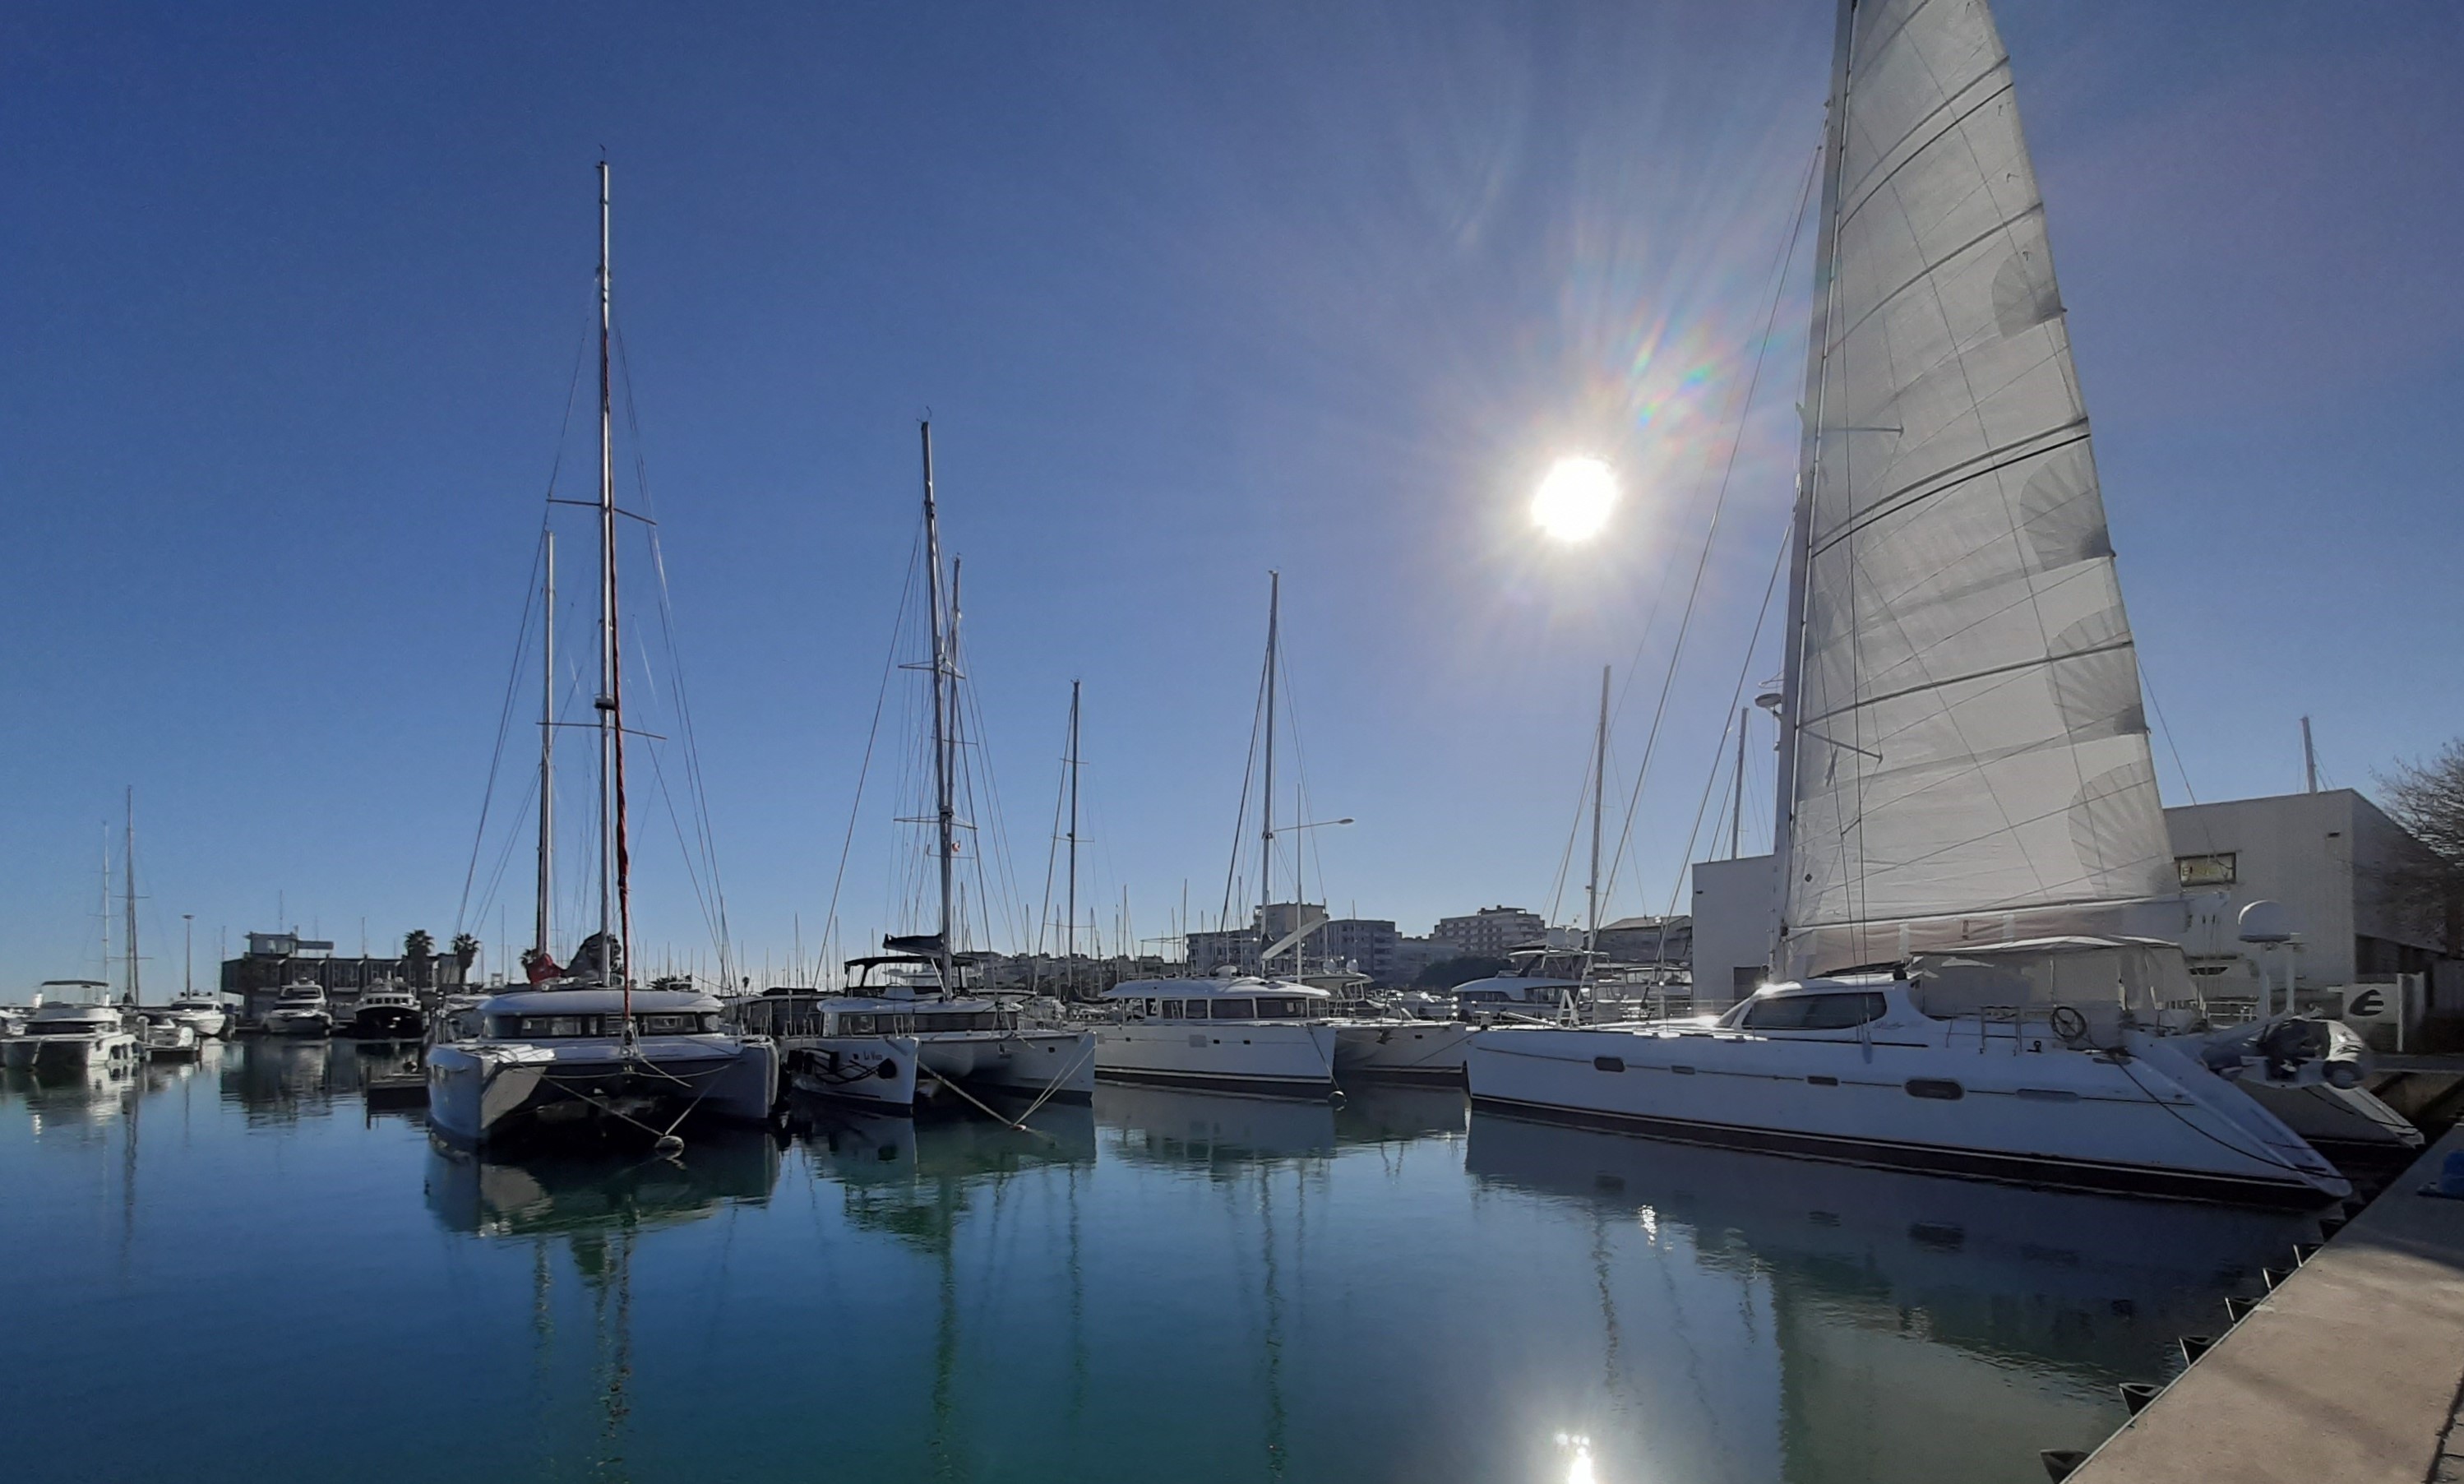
(577, 1193)
(1909, 1308)
(1213, 1128)
(1393, 1115)
(862, 1147)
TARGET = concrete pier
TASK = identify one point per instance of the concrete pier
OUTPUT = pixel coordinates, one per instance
(2350, 1370)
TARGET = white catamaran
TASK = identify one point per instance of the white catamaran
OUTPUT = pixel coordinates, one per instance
(584, 1050)
(921, 1031)
(1978, 882)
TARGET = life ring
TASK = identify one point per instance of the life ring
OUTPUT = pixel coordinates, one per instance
(2067, 1022)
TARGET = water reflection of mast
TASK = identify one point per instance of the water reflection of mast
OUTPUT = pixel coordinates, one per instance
(1276, 1449)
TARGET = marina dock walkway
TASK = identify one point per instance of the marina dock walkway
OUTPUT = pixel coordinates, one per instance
(2349, 1370)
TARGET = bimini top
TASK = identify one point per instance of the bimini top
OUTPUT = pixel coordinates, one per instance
(600, 1001)
(1246, 987)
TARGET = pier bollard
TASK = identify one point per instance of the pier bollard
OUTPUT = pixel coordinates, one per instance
(2237, 1310)
(2195, 1346)
(2060, 1462)
(2137, 1394)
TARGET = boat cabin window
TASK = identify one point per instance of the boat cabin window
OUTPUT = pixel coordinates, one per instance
(855, 1025)
(554, 1028)
(956, 1019)
(1236, 1010)
(670, 1025)
(1171, 1010)
(1282, 1008)
(1814, 1011)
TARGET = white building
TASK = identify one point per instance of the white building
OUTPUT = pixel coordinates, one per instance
(2332, 858)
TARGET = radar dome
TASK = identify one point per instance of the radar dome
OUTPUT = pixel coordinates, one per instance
(2266, 922)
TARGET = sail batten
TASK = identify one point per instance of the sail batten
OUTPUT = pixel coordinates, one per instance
(1967, 740)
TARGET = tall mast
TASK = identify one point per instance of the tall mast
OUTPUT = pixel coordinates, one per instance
(547, 759)
(1809, 470)
(2309, 760)
(128, 865)
(1599, 802)
(103, 914)
(1071, 949)
(614, 909)
(1267, 808)
(944, 817)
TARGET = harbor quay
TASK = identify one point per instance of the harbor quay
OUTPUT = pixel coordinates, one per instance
(2349, 1369)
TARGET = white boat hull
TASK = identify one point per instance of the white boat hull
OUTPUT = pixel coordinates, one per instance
(109, 1051)
(1022, 1063)
(1283, 1059)
(490, 1091)
(2322, 1114)
(206, 1024)
(1403, 1050)
(2154, 1122)
(299, 1023)
(876, 1072)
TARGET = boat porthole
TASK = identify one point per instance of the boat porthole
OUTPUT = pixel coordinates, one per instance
(888, 1069)
(1942, 1088)
(1609, 1063)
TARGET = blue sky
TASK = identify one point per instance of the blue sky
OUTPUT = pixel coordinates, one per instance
(292, 297)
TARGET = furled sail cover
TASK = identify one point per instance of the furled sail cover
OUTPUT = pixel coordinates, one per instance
(1972, 757)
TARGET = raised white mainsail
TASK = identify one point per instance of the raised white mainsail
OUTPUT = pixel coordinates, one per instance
(1967, 754)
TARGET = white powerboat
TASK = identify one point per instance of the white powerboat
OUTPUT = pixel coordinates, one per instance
(568, 1061)
(1228, 1034)
(387, 1012)
(1976, 871)
(203, 1013)
(301, 1009)
(63, 1037)
(168, 1040)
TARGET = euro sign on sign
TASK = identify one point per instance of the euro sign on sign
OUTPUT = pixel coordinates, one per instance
(2368, 1005)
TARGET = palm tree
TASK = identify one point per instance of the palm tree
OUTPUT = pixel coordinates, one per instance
(418, 951)
(465, 948)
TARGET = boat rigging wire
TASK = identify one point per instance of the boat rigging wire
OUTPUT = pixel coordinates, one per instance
(1703, 562)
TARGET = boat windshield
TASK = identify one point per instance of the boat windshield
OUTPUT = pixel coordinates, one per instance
(1813, 1012)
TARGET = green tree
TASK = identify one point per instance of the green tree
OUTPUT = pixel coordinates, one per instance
(466, 950)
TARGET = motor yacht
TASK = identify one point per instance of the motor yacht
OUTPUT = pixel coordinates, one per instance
(168, 1040)
(301, 1009)
(892, 1047)
(1226, 1034)
(203, 1013)
(387, 1012)
(569, 1061)
(64, 1037)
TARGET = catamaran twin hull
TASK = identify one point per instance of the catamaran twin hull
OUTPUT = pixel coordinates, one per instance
(2145, 1121)
(1266, 1058)
(1429, 1052)
(889, 1073)
(503, 1092)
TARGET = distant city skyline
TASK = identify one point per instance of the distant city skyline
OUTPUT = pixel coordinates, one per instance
(296, 297)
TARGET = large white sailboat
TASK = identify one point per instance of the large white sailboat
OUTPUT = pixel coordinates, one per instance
(584, 1049)
(922, 1031)
(1977, 879)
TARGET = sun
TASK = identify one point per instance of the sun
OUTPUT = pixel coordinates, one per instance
(1573, 501)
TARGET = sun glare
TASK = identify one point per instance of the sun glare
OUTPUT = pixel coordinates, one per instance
(1575, 499)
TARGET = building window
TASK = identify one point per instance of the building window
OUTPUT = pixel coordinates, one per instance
(2207, 870)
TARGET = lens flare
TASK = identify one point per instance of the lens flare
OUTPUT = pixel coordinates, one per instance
(1574, 502)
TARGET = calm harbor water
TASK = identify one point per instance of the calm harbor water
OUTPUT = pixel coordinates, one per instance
(237, 1271)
